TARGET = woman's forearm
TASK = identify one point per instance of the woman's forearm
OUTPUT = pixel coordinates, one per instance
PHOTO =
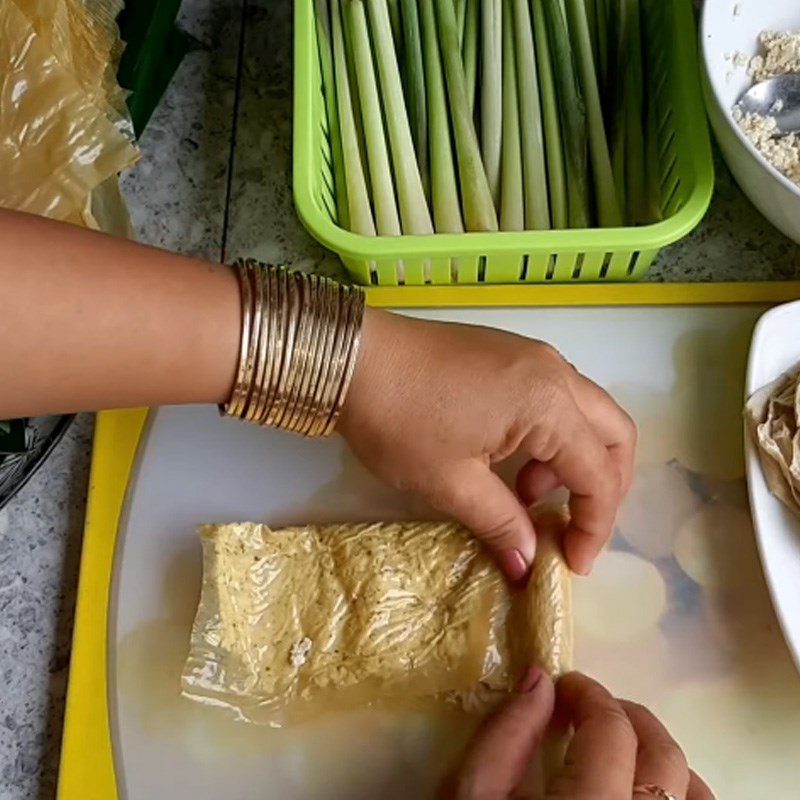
(89, 321)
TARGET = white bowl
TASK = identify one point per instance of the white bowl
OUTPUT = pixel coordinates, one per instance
(729, 27)
(774, 350)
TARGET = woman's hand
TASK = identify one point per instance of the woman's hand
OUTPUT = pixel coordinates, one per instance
(618, 748)
(432, 406)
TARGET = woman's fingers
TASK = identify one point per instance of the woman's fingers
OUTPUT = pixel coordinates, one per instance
(611, 424)
(601, 757)
(698, 789)
(583, 465)
(480, 500)
(616, 745)
(614, 427)
(498, 757)
(534, 480)
(660, 760)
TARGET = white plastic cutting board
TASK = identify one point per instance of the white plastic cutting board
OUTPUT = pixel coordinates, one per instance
(676, 615)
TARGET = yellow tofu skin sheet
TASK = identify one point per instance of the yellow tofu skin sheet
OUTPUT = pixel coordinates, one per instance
(303, 620)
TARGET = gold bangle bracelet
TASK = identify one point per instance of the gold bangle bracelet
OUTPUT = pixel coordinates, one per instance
(318, 370)
(327, 393)
(299, 345)
(240, 386)
(305, 334)
(279, 312)
(262, 361)
(255, 278)
(348, 362)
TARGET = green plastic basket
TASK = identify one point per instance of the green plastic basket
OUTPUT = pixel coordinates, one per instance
(609, 254)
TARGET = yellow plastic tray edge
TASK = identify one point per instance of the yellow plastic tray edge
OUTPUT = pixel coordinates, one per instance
(87, 763)
(622, 294)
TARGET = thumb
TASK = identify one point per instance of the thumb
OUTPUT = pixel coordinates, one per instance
(480, 500)
(498, 757)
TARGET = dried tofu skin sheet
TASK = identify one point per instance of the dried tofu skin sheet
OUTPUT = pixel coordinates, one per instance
(58, 141)
(773, 417)
(84, 37)
(303, 620)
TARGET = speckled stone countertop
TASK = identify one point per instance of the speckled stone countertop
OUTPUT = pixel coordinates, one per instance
(187, 194)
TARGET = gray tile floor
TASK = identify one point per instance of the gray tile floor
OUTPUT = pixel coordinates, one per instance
(186, 195)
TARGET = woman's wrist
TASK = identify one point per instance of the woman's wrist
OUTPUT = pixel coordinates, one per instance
(376, 358)
(300, 337)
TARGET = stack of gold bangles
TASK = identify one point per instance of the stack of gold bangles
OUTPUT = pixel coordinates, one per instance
(300, 338)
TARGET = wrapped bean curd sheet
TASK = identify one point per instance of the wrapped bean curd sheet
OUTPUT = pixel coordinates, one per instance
(304, 620)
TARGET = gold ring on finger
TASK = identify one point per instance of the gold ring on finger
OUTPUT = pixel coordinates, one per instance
(651, 790)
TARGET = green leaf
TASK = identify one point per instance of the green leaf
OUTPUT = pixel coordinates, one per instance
(154, 48)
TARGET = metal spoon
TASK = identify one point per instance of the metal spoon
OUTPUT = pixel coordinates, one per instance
(777, 97)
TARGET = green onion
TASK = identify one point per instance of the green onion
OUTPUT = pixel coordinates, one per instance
(537, 205)
(608, 210)
(353, 86)
(387, 221)
(604, 33)
(397, 25)
(470, 47)
(410, 194)
(573, 115)
(444, 188)
(479, 212)
(334, 133)
(556, 180)
(512, 201)
(591, 18)
(359, 210)
(453, 115)
(461, 19)
(415, 87)
(492, 92)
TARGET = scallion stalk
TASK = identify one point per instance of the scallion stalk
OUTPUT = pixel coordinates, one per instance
(444, 186)
(573, 115)
(604, 33)
(491, 115)
(353, 86)
(470, 50)
(461, 19)
(410, 194)
(512, 200)
(591, 18)
(479, 212)
(397, 25)
(329, 90)
(359, 210)
(617, 91)
(608, 210)
(537, 206)
(387, 221)
(556, 180)
(415, 88)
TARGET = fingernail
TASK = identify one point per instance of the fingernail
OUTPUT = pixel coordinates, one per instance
(513, 564)
(530, 680)
(581, 566)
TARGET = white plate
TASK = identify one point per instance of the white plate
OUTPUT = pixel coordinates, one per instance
(776, 349)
